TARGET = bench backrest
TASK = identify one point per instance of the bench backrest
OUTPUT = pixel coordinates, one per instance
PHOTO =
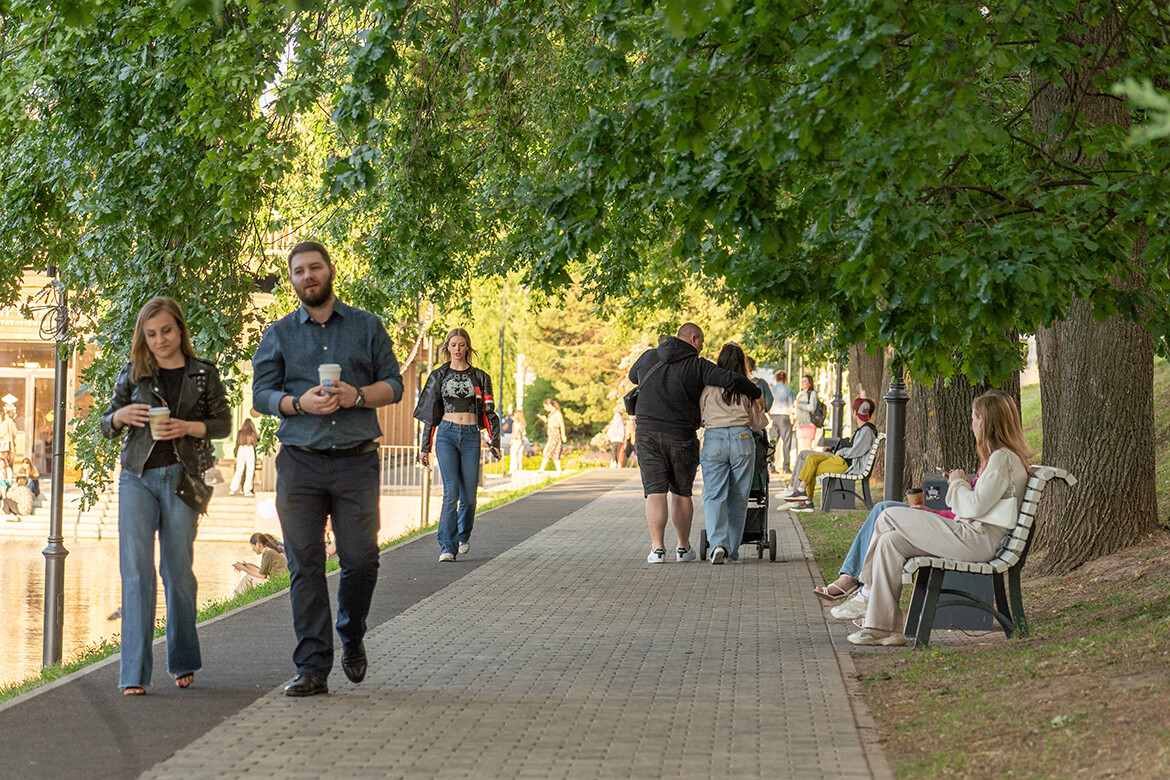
(1015, 545)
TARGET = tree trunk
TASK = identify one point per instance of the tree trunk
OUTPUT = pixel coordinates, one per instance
(938, 426)
(868, 378)
(1097, 403)
(1096, 378)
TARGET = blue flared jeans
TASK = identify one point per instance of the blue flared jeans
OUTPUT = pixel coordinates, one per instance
(147, 506)
(457, 451)
(856, 555)
(727, 458)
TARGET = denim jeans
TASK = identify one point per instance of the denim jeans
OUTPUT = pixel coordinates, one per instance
(728, 457)
(148, 505)
(310, 487)
(856, 555)
(457, 451)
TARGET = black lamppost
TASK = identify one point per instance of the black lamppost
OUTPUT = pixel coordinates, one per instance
(896, 399)
(55, 552)
(838, 407)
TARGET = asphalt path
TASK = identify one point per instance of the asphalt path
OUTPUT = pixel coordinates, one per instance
(83, 727)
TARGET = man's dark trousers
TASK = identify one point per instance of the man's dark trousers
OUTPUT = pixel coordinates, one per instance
(310, 487)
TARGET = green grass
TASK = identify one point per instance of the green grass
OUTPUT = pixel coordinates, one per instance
(275, 584)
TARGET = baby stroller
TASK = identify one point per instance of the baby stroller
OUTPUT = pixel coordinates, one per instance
(755, 529)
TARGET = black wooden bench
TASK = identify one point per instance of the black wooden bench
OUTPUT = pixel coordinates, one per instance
(838, 483)
(927, 572)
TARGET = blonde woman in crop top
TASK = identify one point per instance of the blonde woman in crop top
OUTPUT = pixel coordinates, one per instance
(974, 534)
(728, 457)
(455, 404)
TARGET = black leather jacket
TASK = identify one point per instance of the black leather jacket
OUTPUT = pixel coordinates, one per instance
(201, 398)
(429, 409)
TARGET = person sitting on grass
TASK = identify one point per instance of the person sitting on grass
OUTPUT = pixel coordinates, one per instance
(271, 562)
(846, 452)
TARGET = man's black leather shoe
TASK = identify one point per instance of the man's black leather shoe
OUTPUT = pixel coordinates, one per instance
(307, 685)
(353, 661)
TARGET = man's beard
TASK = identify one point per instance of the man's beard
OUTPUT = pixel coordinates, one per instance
(324, 292)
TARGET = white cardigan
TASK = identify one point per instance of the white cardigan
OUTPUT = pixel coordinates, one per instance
(1004, 476)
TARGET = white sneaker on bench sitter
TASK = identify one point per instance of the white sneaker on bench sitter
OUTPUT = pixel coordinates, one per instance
(874, 636)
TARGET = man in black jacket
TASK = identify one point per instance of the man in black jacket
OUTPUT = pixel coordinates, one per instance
(666, 419)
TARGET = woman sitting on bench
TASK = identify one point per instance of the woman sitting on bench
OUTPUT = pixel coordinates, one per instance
(810, 463)
(983, 515)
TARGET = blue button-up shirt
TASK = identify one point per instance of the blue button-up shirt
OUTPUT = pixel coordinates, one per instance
(286, 363)
(783, 398)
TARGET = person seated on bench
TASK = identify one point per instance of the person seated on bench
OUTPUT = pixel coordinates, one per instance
(983, 515)
(849, 583)
(834, 460)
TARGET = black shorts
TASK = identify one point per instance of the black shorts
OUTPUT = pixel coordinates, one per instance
(667, 462)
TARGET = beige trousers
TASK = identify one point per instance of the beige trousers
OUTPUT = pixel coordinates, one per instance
(900, 533)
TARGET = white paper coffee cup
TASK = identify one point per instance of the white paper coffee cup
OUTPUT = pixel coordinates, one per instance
(329, 374)
(157, 415)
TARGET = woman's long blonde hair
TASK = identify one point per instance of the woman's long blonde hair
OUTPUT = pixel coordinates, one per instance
(141, 360)
(1001, 427)
(471, 352)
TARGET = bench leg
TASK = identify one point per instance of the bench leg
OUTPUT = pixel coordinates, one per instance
(1002, 604)
(865, 490)
(916, 600)
(930, 603)
(1020, 623)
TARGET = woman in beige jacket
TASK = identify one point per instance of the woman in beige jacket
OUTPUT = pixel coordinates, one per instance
(984, 512)
(728, 457)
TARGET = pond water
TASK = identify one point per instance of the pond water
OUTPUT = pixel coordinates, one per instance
(92, 593)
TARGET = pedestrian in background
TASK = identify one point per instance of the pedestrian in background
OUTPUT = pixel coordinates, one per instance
(783, 401)
(806, 403)
(554, 423)
(617, 440)
(157, 490)
(246, 441)
(455, 403)
(519, 433)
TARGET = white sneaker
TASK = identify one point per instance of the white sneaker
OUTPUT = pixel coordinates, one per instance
(464, 547)
(717, 556)
(872, 636)
(852, 608)
(447, 558)
(682, 554)
(656, 556)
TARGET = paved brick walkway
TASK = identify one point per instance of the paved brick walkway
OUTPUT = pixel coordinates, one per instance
(568, 656)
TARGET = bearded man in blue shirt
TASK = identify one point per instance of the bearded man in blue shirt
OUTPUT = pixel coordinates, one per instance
(328, 464)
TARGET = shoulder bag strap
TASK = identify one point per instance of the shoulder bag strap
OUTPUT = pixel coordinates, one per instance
(651, 371)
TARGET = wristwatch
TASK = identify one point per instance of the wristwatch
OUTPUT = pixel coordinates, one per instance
(360, 401)
(297, 405)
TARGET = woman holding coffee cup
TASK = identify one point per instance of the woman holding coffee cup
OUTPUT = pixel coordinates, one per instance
(454, 405)
(168, 402)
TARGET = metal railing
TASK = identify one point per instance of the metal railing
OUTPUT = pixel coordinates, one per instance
(400, 472)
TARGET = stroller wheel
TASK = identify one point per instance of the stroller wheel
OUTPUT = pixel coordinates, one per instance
(703, 545)
(772, 545)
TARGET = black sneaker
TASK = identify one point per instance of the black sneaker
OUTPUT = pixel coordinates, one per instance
(803, 506)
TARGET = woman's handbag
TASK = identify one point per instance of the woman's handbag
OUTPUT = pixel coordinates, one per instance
(1003, 514)
(193, 491)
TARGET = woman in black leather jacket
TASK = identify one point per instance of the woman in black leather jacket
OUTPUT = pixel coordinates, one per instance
(455, 404)
(161, 488)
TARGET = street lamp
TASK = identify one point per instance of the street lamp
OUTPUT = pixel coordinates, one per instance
(896, 399)
(55, 552)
